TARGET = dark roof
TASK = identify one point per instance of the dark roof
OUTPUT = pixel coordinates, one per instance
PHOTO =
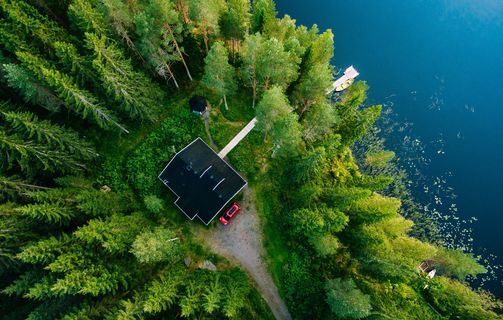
(203, 182)
(198, 103)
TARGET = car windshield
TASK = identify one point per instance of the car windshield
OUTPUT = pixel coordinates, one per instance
(231, 211)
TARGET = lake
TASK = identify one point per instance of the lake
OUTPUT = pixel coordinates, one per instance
(439, 65)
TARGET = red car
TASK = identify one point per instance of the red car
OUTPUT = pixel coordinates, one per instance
(230, 214)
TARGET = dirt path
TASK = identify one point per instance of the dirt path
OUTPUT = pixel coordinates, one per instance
(241, 241)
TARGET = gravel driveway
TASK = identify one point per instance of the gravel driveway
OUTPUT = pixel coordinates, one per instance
(241, 241)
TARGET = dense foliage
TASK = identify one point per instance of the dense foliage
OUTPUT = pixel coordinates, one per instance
(94, 103)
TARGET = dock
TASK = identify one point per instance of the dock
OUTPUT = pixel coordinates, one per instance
(343, 82)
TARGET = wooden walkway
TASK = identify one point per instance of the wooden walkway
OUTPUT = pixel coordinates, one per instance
(240, 136)
(349, 74)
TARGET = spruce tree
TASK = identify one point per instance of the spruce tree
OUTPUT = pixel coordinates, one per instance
(79, 100)
(14, 38)
(12, 187)
(42, 131)
(32, 89)
(39, 26)
(85, 17)
(32, 157)
(137, 95)
(75, 64)
(161, 294)
(212, 295)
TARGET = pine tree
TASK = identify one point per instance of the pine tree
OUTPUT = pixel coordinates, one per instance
(121, 19)
(319, 121)
(264, 16)
(154, 48)
(206, 16)
(78, 100)
(274, 66)
(273, 106)
(312, 87)
(164, 41)
(322, 49)
(133, 90)
(373, 209)
(218, 73)
(346, 300)
(236, 22)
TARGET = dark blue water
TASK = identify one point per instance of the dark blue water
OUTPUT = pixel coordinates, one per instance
(440, 64)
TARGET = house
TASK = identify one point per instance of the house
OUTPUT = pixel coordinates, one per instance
(202, 181)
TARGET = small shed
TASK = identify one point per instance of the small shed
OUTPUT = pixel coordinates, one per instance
(198, 104)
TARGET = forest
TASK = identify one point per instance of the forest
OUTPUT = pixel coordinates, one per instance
(94, 103)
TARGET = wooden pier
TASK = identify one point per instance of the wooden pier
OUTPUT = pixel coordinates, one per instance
(343, 82)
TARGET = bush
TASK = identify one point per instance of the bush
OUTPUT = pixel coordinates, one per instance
(156, 246)
(153, 204)
(151, 156)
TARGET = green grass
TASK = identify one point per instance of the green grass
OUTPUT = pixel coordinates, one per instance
(274, 244)
(240, 107)
(261, 311)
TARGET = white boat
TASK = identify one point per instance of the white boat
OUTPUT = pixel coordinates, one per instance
(345, 81)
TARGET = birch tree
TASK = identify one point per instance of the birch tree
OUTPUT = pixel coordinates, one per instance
(249, 54)
(218, 73)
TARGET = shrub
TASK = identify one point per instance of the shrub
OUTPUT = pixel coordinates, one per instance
(153, 204)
